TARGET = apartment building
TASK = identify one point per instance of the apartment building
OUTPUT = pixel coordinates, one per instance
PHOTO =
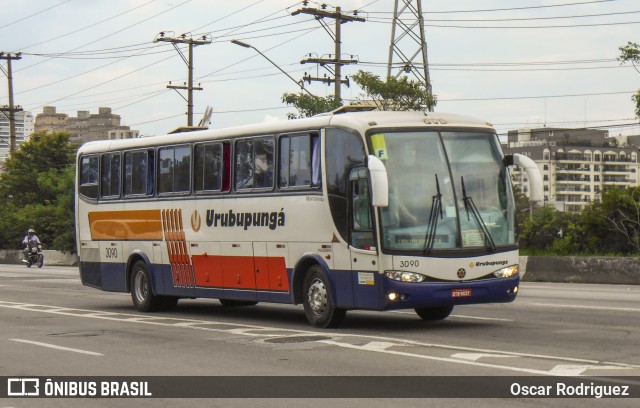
(24, 128)
(84, 127)
(576, 164)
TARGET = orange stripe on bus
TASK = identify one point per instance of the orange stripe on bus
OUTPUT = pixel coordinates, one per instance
(126, 225)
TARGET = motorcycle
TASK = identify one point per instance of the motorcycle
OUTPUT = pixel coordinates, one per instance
(34, 255)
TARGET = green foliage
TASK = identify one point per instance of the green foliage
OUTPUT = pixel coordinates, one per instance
(37, 190)
(394, 93)
(309, 105)
(611, 226)
(631, 53)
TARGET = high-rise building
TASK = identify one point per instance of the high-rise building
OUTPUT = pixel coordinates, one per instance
(576, 164)
(24, 128)
(85, 127)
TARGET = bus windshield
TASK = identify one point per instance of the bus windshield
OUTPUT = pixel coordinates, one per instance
(447, 190)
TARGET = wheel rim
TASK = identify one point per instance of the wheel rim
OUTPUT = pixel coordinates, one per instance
(317, 296)
(141, 286)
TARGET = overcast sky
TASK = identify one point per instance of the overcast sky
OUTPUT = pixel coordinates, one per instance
(515, 63)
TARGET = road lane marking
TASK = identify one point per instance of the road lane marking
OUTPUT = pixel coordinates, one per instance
(575, 370)
(379, 344)
(604, 308)
(53, 346)
(478, 356)
(497, 319)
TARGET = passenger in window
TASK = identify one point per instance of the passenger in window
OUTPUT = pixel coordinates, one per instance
(262, 175)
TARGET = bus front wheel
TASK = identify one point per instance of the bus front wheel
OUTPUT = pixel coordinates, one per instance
(143, 298)
(318, 303)
(434, 313)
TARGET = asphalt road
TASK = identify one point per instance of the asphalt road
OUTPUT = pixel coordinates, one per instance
(51, 325)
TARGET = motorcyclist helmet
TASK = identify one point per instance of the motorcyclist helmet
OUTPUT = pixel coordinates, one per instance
(31, 231)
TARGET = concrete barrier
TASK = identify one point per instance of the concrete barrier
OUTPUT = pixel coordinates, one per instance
(581, 269)
(562, 269)
(8, 256)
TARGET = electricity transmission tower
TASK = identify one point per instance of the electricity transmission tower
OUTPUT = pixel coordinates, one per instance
(408, 43)
(337, 61)
(10, 109)
(185, 39)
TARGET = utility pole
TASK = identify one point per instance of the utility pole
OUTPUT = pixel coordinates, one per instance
(407, 34)
(11, 109)
(337, 62)
(185, 39)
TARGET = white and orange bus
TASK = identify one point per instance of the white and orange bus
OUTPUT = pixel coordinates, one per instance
(362, 210)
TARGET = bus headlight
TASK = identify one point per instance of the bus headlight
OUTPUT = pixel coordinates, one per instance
(506, 272)
(405, 276)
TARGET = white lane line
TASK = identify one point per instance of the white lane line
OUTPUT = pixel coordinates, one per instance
(53, 346)
(478, 356)
(497, 319)
(380, 344)
(608, 309)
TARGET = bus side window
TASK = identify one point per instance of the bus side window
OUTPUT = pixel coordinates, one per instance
(343, 150)
(254, 163)
(299, 161)
(174, 169)
(110, 175)
(89, 177)
(211, 167)
(361, 225)
(138, 173)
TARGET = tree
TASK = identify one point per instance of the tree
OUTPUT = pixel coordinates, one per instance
(549, 230)
(309, 105)
(614, 222)
(394, 93)
(631, 53)
(37, 191)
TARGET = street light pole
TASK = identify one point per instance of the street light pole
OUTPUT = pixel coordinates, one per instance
(245, 45)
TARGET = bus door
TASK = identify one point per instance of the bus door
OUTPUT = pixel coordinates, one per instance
(364, 254)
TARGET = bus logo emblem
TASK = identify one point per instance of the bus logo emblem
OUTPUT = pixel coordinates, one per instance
(196, 221)
(462, 273)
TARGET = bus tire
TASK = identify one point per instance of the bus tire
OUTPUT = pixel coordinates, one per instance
(318, 303)
(143, 298)
(434, 313)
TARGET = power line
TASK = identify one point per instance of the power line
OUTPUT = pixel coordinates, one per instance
(34, 14)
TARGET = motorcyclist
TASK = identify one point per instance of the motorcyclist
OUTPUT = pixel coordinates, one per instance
(30, 240)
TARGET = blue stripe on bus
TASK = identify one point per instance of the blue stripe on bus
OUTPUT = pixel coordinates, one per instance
(348, 291)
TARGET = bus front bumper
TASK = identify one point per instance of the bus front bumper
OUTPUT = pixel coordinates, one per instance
(405, 295)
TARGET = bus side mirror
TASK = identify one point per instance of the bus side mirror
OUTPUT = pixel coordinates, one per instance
(379, 182)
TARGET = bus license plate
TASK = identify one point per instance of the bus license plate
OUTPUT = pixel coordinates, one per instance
(458, 293)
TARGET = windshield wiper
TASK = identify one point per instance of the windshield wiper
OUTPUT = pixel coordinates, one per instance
(436, 209)
(470, 206)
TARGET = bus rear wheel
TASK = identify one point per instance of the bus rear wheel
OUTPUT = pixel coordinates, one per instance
(434, 313)
(318, 302)
(143, 298)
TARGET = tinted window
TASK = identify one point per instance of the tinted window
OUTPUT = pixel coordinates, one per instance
(254, 163)
(110, 180)
(89, 176)
(211, 167)
(299, 161)
(174, 169)
(344, 150)
(138, 173)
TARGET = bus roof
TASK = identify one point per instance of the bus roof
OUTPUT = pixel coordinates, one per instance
(361, 121)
